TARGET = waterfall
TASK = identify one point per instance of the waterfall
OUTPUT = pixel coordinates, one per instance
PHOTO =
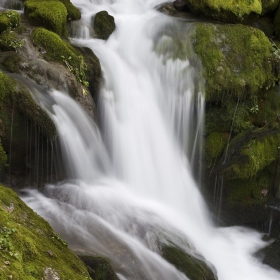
(131, 179)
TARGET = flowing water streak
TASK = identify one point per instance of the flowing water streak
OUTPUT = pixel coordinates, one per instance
(144, 192)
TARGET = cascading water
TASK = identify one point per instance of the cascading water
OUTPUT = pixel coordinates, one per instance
(130, 186)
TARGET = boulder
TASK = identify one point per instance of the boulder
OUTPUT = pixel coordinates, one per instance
(103, 25)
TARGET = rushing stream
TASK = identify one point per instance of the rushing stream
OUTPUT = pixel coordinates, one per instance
(131, 185)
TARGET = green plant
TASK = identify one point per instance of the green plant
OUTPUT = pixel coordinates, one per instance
(15, 44)
(57, 237)
(6, 240)
(255, 108)
(79, 72)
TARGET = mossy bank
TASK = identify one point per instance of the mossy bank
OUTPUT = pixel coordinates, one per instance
(30, 249)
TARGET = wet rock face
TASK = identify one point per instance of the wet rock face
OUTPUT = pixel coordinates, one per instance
(103, 25)
(241, 122)
(28, 150)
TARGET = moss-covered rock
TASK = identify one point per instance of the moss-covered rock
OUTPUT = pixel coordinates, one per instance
(73, 13)
(99, 268)
(103, 25)
(237, 60)
(10, 41)
(82, 62)
(13, 95)
(29, 247)
(250, 152)
(52, 15)
(226, 10)
(215, 144)
(14, 4)
(53, 47)
(9, 20)
(11, 63)
(191, 266)
(269, 6)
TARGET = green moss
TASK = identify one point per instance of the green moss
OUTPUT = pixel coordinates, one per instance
(10, 41)
(53, 46)
(3, 157)
(12, 95)
(192, 267)
(9, 20)
(243, 193)
(103, 25)
(60, 51)
(236, 60)
(72, 12)
(214, 146)
(269, 109)
(14, 5)
(99, 268)
(11, 63)
(32, 246)
(229, 116)
(245, 201)
(256, 151)
(226, 10)
(52, 15)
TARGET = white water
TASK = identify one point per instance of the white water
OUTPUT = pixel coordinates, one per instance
(131, 185)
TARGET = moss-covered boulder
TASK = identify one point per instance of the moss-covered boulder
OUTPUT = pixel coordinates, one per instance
(191, 266)
(103, 25)
(10, 41)
(30, 249)
(250, 152)
(81, 62)
(269, 6)
(52, 15)
(99, 268)
(73, 13)
(226, 10)
(9, 20)
(14, 4)
(237, 60)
